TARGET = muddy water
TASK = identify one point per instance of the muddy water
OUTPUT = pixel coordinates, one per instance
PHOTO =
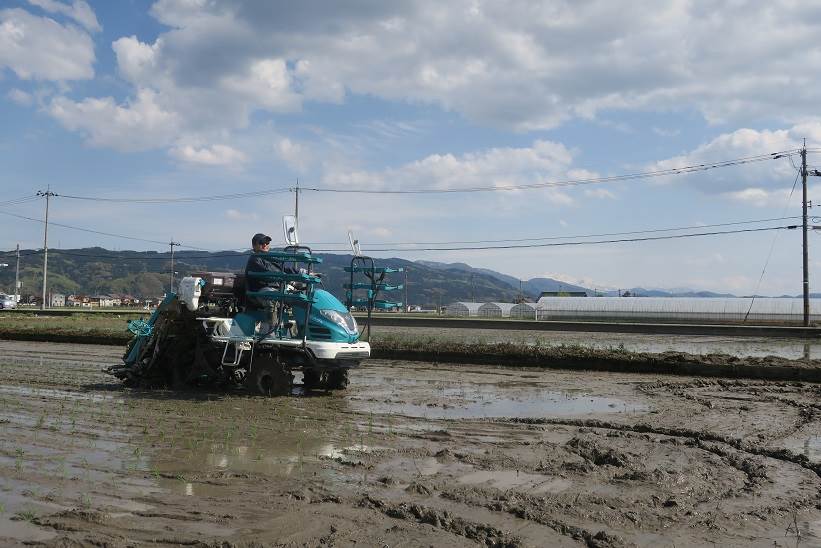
(411, 455)
(633, 342)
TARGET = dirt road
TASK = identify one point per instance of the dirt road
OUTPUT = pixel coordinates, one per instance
(410, 455)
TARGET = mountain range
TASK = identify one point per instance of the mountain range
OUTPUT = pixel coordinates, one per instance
(147, 274)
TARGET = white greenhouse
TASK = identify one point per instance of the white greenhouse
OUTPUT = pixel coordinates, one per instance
(671, 309)
(463, 309)
(524, 311)
(495, 310)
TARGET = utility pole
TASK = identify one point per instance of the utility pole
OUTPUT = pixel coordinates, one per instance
(296, 206)
(804, 174)
(805, 254)
(172, 243)
(48, 194)
(472, 289)
(405, 285)
(17, 277)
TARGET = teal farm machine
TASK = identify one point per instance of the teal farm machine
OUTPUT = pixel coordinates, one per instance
(206, 335)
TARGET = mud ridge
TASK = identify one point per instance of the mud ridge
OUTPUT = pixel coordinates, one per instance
(442, 519)
(592, 359)
(642, 428)
(521, 505)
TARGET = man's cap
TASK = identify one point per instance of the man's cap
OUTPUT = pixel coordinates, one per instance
(259, 239)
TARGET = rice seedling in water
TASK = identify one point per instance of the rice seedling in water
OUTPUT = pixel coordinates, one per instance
(26, 515)
(18, 459)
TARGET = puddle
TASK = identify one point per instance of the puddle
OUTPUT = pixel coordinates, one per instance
(474, 400)
(276, 457)
(23, 531)
(513, 479)
(809, 446)
(58, 394)
(812, 448)
(810, 530)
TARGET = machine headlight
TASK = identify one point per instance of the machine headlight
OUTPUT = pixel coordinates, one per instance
(343, 320)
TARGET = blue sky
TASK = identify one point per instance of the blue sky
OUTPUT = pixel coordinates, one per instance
(186, 98)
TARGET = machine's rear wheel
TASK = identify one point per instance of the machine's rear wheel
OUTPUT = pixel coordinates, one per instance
(313, 379)
(268, 378)
(337, 379)
(331, 379)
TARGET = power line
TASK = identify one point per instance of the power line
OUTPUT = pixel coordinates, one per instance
(541, 238)
(94, 231)
(548, 184)
(569, 182)
(179, 199)
(772, 247)
(514, 246)
(592, 242)
(21, 200)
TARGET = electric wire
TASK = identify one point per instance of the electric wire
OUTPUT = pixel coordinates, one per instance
(591, 242)
(547, 184)
(181, 256)
(179, 199)
(770, 253)
(21, 200)
(123, 236)
(568, 182)
(604, 234)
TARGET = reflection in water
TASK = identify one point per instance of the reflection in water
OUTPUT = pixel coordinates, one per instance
(812, 448)
(412, 398)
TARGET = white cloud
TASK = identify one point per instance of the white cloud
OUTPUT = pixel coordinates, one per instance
(215, 155)
(20, 97)
(512, 65)
(237, 215)
(666, 132)
(517, 65)
(381, 232)
(294, 154)
(39, 48)
(137, 125)
(79, 10)
(580, 281)
(759, 183)
(600, 193)
(543, 162)
(266, 84)
(758, 197)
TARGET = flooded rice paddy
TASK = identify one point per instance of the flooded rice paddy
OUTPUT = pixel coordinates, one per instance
(412, 454)
(794, 349)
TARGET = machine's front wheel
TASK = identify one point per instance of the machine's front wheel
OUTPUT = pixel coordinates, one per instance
(268, 378)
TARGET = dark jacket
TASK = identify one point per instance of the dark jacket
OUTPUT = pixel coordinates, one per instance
(259, 264)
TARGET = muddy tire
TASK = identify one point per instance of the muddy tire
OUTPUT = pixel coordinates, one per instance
(334, 379)
(337, 379)
(313, 380)
(268, 378)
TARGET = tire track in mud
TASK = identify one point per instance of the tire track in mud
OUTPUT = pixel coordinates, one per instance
(808, 411)
(543, 510)
(444, 520)
(644, 428)
(512, 504)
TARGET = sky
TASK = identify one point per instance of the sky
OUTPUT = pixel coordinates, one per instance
(146, 107)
